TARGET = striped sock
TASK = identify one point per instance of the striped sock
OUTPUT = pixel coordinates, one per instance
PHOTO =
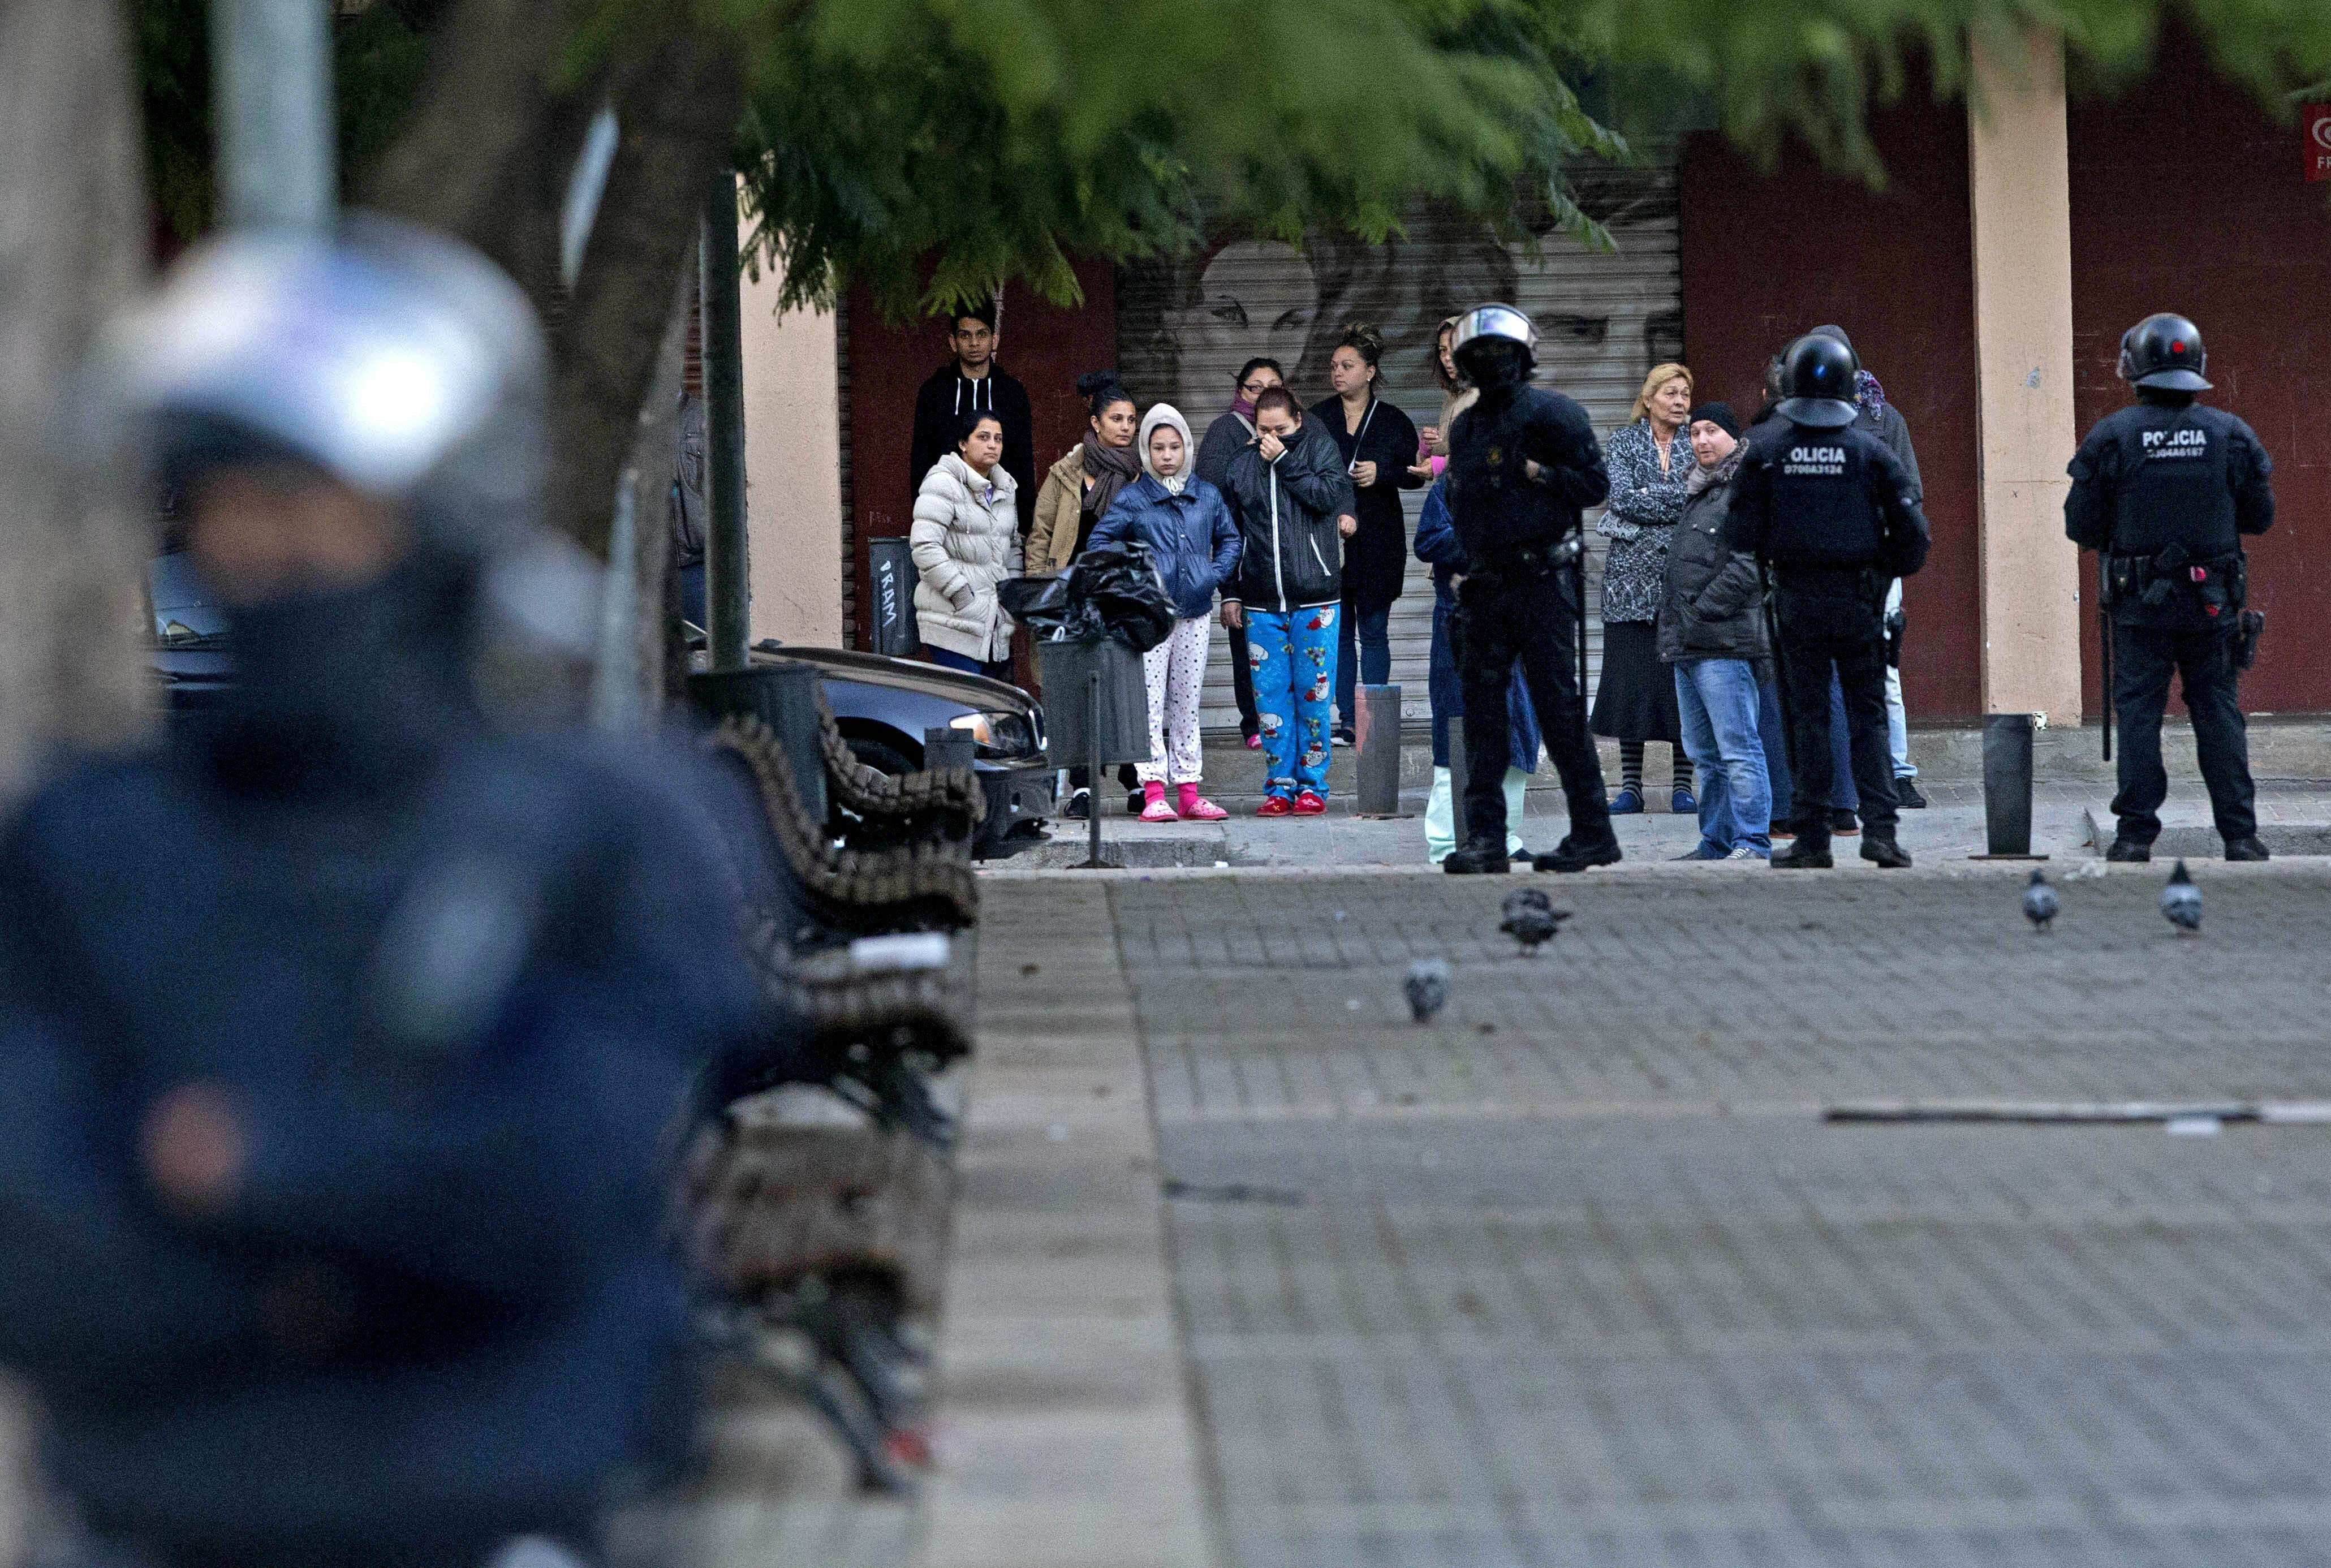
(1682, 768)
(1631, 765)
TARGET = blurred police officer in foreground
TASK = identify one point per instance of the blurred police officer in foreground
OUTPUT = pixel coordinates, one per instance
(1523, 462)
(337, 1037)
(2166, 488)
(1834, 515)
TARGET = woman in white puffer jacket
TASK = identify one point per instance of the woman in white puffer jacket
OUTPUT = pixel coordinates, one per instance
(966, 541)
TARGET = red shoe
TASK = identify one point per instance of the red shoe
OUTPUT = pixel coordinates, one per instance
(1275, 806)
(1308, 804)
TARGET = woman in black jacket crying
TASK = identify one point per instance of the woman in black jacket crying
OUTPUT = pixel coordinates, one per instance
(1380, 449)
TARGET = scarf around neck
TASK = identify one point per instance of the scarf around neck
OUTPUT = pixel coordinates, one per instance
(1110, 469)
(1866, 391)
(1244, 408)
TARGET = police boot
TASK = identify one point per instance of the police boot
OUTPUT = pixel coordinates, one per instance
(1577, 854)
(2128, 850)
(2246, 848)
(1809, 853)
(1878, 844)
(1478, 857)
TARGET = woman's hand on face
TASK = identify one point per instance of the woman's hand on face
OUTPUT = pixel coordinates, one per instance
(1347, 525)
(1364, 474)
(1234, 615)
(1271, 448)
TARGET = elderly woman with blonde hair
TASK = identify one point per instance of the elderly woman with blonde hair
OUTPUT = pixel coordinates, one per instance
(1652, 465)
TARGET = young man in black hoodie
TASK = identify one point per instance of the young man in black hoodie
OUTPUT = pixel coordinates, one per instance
(971, 380)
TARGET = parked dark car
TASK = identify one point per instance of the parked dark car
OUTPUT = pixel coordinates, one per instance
(884, 705)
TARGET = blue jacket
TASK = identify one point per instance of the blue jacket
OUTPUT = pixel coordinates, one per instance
(456, 984)
(1438, 547)
(1191, 536)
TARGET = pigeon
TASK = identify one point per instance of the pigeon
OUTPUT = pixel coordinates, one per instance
(1426, 988)
(2040, 904)
(2181, 901)
(1531, 918)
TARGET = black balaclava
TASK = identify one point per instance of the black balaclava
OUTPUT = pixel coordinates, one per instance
(361, 686)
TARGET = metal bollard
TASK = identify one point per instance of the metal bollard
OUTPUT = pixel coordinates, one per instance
(2007, 784)
(1378, 748)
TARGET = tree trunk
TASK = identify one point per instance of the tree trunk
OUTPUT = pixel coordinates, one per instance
(74, 530)
(678, 114)
(489, 150)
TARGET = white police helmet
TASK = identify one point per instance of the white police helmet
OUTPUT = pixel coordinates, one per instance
(1487, 325)
(398, 361)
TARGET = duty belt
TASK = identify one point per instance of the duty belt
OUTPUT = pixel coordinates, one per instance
(1862, 581)
(2220, 582)
(1535, 560)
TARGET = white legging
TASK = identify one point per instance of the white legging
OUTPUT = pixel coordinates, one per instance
(1176, 669)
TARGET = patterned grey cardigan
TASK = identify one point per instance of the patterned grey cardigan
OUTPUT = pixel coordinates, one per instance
(1644, 506)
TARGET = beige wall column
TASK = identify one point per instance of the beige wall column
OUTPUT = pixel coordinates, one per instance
(792, 467)
(2023, 333)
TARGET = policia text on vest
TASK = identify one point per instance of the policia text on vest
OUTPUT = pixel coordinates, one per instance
(2166, 489)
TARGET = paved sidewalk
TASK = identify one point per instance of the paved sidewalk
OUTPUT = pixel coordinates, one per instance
(2294, 818)
(1575, 1275)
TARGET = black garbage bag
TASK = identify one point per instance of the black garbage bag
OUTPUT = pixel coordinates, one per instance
(1042, 605)
(1123, 588)
(1112, 590)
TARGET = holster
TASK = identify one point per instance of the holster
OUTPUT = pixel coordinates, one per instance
(2250, 625)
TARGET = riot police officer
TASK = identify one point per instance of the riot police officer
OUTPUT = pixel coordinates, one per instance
(1523, 462)
(2166, 488)
(340, 1036)
(1834, 516)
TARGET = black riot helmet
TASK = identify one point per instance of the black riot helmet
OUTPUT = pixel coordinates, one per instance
(2165, 352)
(1494, 346)
(1817, 374)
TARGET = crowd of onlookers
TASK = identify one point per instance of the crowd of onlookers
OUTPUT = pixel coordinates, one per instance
(1290, 518)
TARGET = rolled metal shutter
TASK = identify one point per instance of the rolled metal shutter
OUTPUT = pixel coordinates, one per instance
(1604, 318)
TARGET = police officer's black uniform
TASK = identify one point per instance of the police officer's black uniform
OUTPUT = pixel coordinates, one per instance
(1834, 515)
(1523, 462)
(2166, 488)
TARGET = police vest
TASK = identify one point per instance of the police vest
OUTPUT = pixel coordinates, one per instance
(1823, 515)
(2174, 482)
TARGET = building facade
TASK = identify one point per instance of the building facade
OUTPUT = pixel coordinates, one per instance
(2019, 231)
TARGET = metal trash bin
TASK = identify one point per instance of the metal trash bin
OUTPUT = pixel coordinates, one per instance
(1065, 669)
(783, 696)
(891, 565)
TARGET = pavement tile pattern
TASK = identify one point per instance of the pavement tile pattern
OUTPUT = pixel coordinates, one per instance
(1575, 1275)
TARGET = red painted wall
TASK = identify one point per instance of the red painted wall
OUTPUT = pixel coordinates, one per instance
(1767, 256)
(1045, 347)
(2186, 197)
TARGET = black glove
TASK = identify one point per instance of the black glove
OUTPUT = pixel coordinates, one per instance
(1894, 626)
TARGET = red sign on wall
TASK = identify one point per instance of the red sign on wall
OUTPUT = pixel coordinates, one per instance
(2317, 123)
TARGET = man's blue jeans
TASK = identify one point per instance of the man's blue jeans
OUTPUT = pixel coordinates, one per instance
(1718, 701)
(1369, 664)
(1775, 730)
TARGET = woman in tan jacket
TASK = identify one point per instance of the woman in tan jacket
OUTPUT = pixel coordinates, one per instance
(1076, 493)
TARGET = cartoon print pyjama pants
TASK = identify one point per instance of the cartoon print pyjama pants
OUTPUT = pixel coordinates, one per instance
(1294, 659)
(1176, 669)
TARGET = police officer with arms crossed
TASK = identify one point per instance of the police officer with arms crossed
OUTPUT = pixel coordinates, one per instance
(1834, 516)
(2166, 488)
(1523, 462)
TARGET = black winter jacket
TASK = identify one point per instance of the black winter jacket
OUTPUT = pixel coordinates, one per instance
(1376, 560)
(1293, 556)
(1711, 604)
(1496, 506)
(948, 392)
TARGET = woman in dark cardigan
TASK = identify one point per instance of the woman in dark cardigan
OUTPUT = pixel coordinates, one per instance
(1651, 466)
(1380, 451)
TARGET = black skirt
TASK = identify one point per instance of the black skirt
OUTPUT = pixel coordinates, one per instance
(1636, 697)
